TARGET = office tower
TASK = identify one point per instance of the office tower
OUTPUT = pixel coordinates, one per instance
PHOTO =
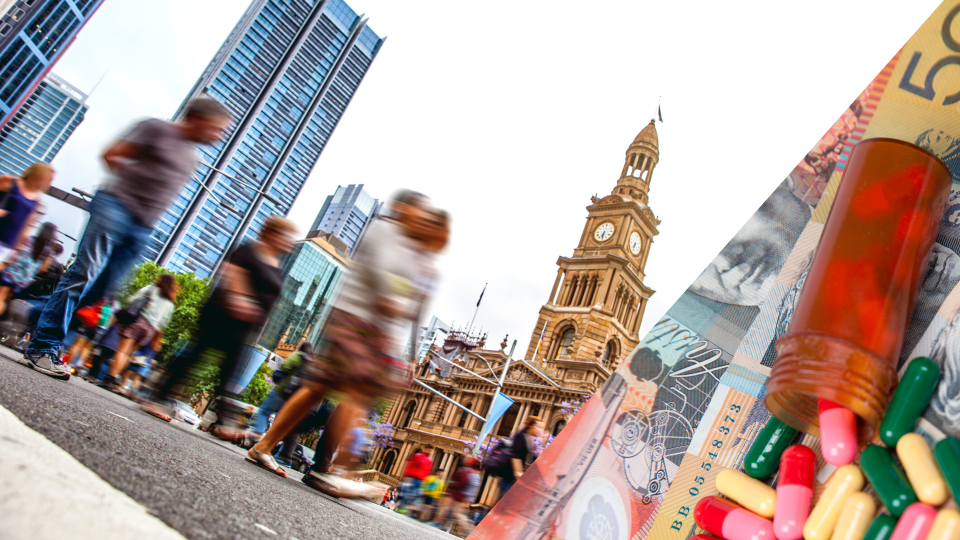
(286, 72)
(38, 129)
(346, 213)
(33, 36)
(311, 278)
(434, 333)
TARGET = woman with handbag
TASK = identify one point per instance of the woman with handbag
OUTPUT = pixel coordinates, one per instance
(31, 259)
(143, 319)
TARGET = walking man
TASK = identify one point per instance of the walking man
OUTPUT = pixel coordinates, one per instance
(148, 169)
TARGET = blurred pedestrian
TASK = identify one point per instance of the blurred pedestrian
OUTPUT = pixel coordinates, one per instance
(462, 491)
(392, 276)
(418, 468)
(248, 285)
(285, 381)
(140, 366)
(431, 493)
(19, 204)
(523, 451)
(23, 266)
(93, 321)
(150, 309)
(149, 167)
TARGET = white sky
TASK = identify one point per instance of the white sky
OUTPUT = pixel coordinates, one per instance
(511, 114)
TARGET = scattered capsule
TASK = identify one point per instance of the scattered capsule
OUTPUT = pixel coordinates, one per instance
(794, 492)
(749, 493)
(946, 526)
(947, 453)
(921, 469)
(838, 433)
(727, 520)
(915, 522)
(888, 480)
(763, 458)
(703, 537)
(855, 517)
(846, 481)
(909, 400)
(881, 528)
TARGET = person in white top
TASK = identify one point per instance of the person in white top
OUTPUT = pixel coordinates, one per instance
(377, 308)
(149, 325)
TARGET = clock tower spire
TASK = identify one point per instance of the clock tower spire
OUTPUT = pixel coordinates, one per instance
(591, 319)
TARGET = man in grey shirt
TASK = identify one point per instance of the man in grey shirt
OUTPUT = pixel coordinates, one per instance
(149, 168)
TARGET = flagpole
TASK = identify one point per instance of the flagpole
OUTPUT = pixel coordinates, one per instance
(478, 308)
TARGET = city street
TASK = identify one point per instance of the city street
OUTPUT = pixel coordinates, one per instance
(196, 484)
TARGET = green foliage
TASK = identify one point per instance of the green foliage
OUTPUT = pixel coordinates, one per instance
(259, 387)
(193, 294)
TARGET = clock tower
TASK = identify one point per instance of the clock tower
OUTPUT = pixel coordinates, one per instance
(591, 320)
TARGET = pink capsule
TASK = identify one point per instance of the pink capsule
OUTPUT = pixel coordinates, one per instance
(727, 520)
(915, 522)
(838, 433)
(794, 492)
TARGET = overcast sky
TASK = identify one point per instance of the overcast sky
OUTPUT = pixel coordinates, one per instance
(512, 114)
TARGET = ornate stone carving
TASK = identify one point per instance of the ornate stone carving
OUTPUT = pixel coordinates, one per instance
(578, 375)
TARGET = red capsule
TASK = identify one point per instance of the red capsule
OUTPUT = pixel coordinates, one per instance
(794, 492)
(724, 519)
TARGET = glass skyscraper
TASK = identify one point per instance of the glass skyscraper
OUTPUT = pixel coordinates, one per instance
(287, 71)
(346, 213)
(33, 36)
(38, 129)
(312, 274)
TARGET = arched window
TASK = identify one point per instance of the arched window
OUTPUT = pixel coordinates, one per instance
(410, 408)
(558, 427)
(566, 339)
(609, 353)
(464, 416)
(388, 460)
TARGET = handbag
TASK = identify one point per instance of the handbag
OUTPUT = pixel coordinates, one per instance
(89, 316)
(132, 311)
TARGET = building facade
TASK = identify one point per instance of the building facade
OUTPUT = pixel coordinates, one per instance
(38, 129)
(587, 326)
(286, 72)
(346, 213)
(312, 274)
(33, 36)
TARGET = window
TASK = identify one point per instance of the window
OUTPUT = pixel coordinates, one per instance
(464, 416)
(4, 29)
(566, 340)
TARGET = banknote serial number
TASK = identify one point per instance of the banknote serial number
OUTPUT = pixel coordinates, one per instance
(712, 454)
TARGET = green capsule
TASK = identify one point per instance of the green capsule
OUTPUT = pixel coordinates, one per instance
(909, 400)
(947, 453)
(881, 528)
(763, 458)
(888, 479)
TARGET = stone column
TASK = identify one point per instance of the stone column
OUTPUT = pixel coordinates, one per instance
(556, 285)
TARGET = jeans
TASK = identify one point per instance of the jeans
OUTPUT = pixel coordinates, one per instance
(271, 404)
(110, 246)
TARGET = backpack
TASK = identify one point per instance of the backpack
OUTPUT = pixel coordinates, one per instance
(499, 456)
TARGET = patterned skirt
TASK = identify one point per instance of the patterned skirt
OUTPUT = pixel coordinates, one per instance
(352, 357)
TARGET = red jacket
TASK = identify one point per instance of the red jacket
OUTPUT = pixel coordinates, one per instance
(419, 466)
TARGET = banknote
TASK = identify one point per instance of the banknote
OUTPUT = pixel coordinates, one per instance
(688, 401)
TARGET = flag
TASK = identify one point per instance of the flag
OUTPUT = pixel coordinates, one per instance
(498, 406)
(481, 294)
(660, 114)
(540, 340)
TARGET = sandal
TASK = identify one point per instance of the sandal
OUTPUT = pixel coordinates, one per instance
(321, 484)
(265, 461)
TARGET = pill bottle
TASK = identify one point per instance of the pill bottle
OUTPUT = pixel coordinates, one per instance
(848, 327)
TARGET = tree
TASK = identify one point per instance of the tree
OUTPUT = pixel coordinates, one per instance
(190, 300)
(259, 386)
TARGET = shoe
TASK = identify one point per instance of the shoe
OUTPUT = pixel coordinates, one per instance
(264, 461)
(324, 483)
(48, 363)
(162, 412)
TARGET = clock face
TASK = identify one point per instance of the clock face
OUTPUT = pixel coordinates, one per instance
(635, 243)
(603, 232)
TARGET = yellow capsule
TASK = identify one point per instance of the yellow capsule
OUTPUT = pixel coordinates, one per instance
(845, 481)
(921, 469)
(946, 526)
(855, 517)
(749, 493)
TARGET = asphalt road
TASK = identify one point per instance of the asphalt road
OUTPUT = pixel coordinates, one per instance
(195, 483)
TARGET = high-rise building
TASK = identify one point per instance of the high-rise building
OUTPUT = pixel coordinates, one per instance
(434, 333)
(346, 213)
(286, 72)
(311, 278)
(33, 36)
(38, 129)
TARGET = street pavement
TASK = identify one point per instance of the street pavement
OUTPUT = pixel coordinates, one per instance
(192, 482)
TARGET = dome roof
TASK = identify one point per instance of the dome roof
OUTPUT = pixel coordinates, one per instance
(648, 135)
